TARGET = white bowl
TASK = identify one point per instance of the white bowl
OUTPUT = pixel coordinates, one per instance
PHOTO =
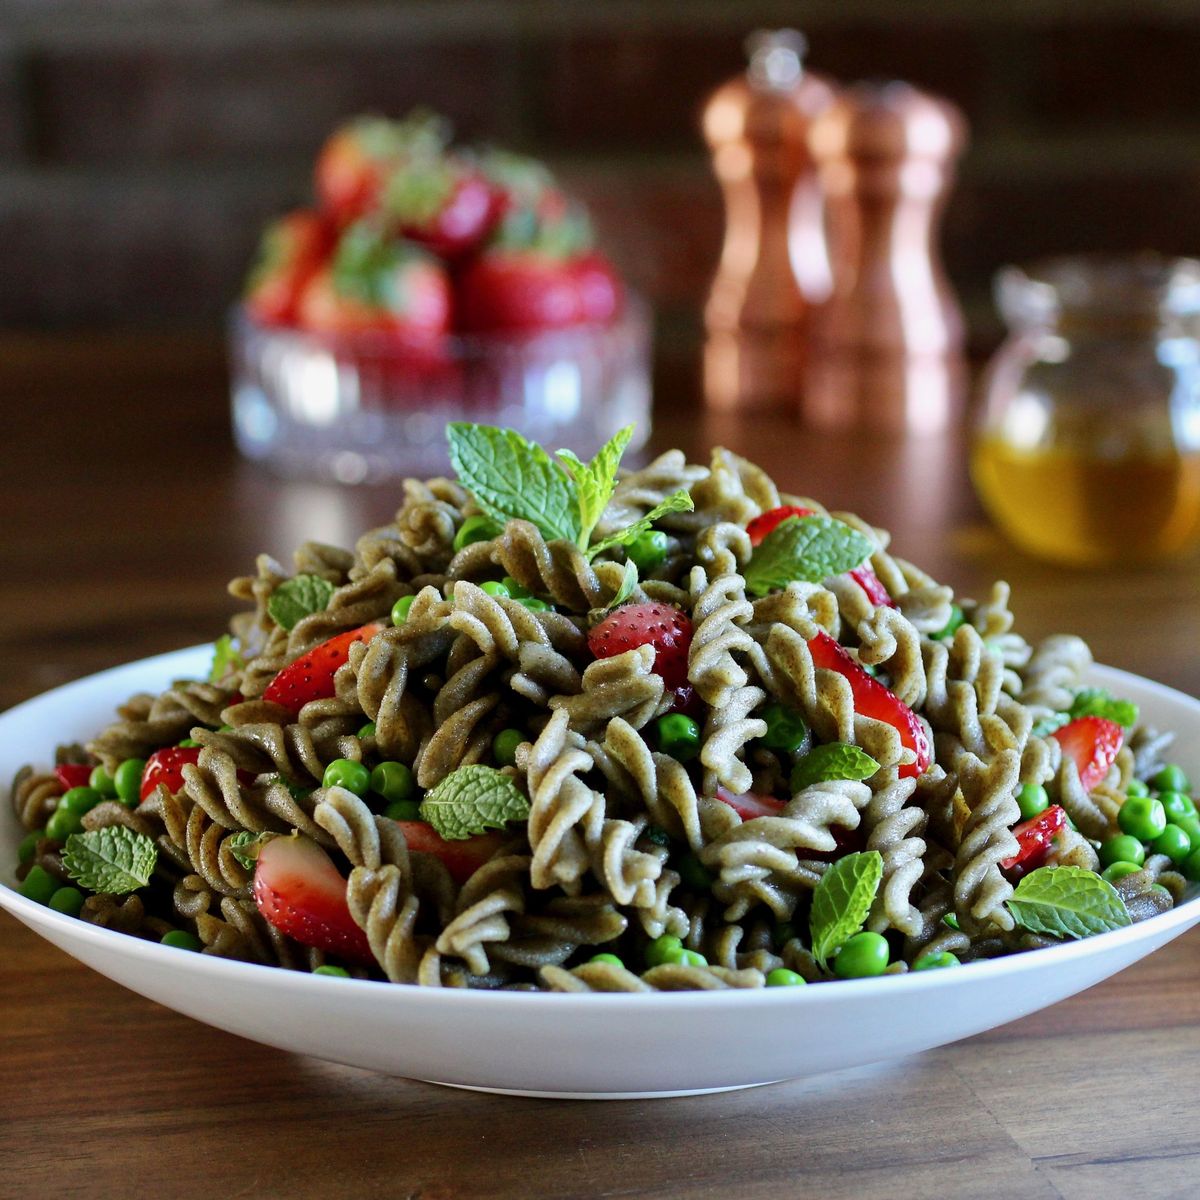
(586, 1046)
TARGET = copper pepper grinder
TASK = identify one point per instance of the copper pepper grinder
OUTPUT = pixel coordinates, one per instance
(886, 349)
(774, 264)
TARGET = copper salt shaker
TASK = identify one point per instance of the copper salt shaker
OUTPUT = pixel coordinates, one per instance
(774, 266)
(887, 345)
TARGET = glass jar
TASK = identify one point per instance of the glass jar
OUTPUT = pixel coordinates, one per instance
(1087, 443)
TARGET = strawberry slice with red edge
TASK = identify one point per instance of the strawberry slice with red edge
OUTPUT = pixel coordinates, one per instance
(1034, 838)
(872, 699)
(166, 767)
(863, 575)
(666, 628)
(1092, 744)
(73, 775)
(310, 677)
(750, 805)
(298, 889)
(462, 856)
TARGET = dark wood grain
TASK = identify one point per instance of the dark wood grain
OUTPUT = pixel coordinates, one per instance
(125, 510)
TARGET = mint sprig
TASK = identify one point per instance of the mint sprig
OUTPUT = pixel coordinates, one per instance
(226, 658)
(842, 900)
(245, 845)
(1067, 902)
(113, 860)
(295, 598)
(805, 549)
(473, 800)
(1099, 702)
(834, 760)
(514, 479)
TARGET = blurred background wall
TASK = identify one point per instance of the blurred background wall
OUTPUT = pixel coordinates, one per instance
(143, 142)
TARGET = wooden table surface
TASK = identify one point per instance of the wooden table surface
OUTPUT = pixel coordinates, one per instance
(124, 510)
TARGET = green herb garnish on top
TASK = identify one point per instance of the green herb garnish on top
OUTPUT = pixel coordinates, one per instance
(472, 800)
(513, 479)
(113, 860)
(298, 597)
(806, 550)
(842, 901)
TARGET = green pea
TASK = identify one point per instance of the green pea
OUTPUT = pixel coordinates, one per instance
(103, 782)
(657, 950)
(1032, 799)
(515, 590)
(786, 729)
(1191, 826)
(180, 939)
(1171, 779)
(957, 616)
(504, 746)
(403, 810)
(327, 969)
(679, 736)
(79, 800)
(393, 781)
(1118, 870)
(611, 959)
(188, 744)
(782, 934)
(1172, 842)
(1135, 787)
(39, 885)
(68, 900)
(367, 731)
(400, 609)
(1122, 849)
(534, 604)
(1191, 867)
(1142, 817)
(28, 845)
(648, 550)
(782, 977)
(1177, 806)
(63, 823)
(128, 781)
(694, 873)
(1162, 891)
(933, 962)
(348, 774)
(475, 529)
(864, 955)
(495, 589)
(687, 958)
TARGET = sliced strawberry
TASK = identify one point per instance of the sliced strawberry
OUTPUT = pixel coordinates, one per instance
(463, 857)
(299, 891)
(864, 576)
(310, 677)
(750, 805)
(73, 775)
(666, 628)
(1092, 743)
(873, 700)
(1034, 838)
(166, 767)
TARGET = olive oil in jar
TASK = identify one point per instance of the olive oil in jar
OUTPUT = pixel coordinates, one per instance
(1065, 505)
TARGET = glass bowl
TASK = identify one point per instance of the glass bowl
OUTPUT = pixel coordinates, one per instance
(356, 409)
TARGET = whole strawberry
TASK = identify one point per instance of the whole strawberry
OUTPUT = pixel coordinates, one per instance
(666, 628)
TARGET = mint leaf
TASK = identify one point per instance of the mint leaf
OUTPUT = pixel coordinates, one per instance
(842, 900)
(511, 478)
(113, 860)
(679, 501)
(1067, 902)
(808, 549)
(226, 657)
(295, 598)
(1098, 702)
(628, 582)
(244, 846)
(596, 481)
(472, 800)
(835, 760)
